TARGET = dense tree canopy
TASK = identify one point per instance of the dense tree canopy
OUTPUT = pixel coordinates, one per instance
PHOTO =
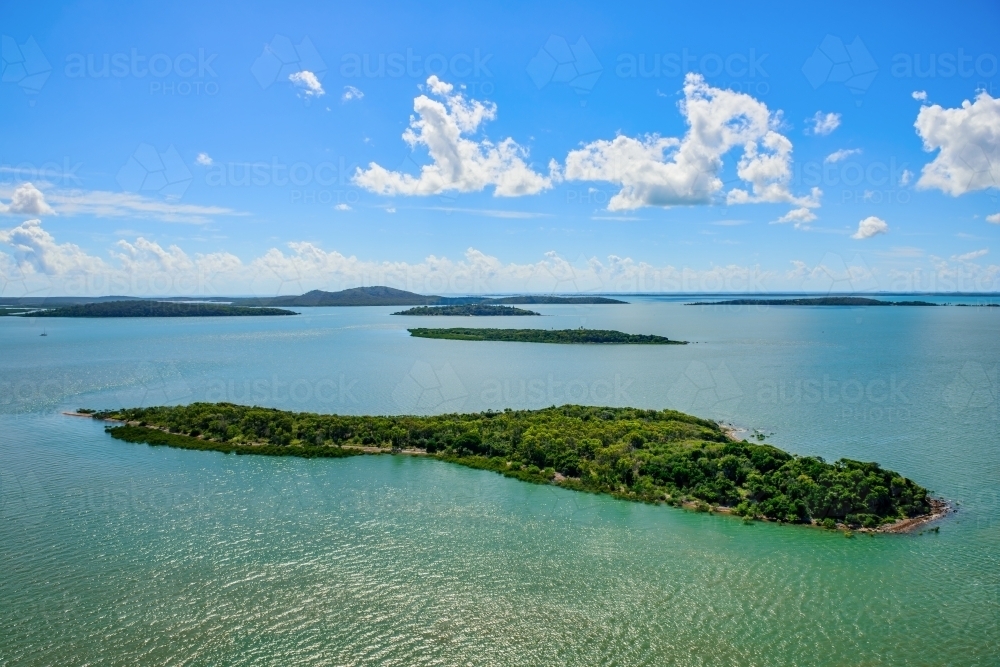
(645, 455)
(568, 336)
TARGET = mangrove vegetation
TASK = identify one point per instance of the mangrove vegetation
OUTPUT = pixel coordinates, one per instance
(467, 310)
(633, 454)
(566, 336)
(143, 308)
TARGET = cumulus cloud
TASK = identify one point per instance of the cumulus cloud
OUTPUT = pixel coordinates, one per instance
(27, 200)
(869, 227)
(351, 93)
(919, 95)
(800, 216)
(840, 155)
(905, 177)
(460, 164)
(204, 159)
(666, 171)
(36, 250)
(307, 83)
(823, 123)
(342, 207)
(143, 267)
(968, 141)
(994, 218)
(969, 256)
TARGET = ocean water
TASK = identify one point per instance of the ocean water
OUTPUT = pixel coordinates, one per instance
(113, 553)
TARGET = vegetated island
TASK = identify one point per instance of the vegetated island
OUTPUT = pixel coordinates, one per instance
(156, 309)
(380, 295)
(817, 301)
(567, 336)
(640, 455)
(469, 309)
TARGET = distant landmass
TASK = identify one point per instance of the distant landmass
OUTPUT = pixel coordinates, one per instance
(539, 299)
(389, 296)
(156, 309)
(566, 336)
(467, 310)
(819, 301)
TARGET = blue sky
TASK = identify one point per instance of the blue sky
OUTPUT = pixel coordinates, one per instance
(687, 147)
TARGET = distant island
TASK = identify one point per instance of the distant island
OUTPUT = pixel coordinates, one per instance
(539, 299)
(659, 456)
(388, 296)
(156, 309)
(818, 301)
(567, 336)
(469, 309)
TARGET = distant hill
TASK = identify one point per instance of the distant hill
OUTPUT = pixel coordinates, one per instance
(819, 301)
(468, 310)
(142, 308)
(389, 296)
(357, 296)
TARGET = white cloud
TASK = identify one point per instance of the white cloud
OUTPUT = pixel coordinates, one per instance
(869, 227)
(492, 213)
(994, 218)
(36, 250)
(390, 209)
(104, 204)
(204, 159)
(968, 138)
(969, 256)
(351, 93)
(919, 95)
(842, 154)
(27, 200)
(823, 123)
(459, 164)
(307, 82)
(342, 207)
(141, 267)
(665, 171)
(905, 177)
(800, 216)
(145, 268)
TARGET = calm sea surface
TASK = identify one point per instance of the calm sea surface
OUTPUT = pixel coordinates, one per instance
(114, 553)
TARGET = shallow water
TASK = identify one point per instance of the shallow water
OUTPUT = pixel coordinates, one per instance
(117, 553)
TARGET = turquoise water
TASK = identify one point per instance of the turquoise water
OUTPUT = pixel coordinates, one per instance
(121, 554)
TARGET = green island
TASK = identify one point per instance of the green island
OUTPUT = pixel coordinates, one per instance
(156, 309)
(655, 456)
(566, 336)
(468, 309)
(817, 301)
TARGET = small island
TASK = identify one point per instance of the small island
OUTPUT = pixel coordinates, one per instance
(566, 336)
(657, 456)
(468, 310)
(144, 308)
(813, 301)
